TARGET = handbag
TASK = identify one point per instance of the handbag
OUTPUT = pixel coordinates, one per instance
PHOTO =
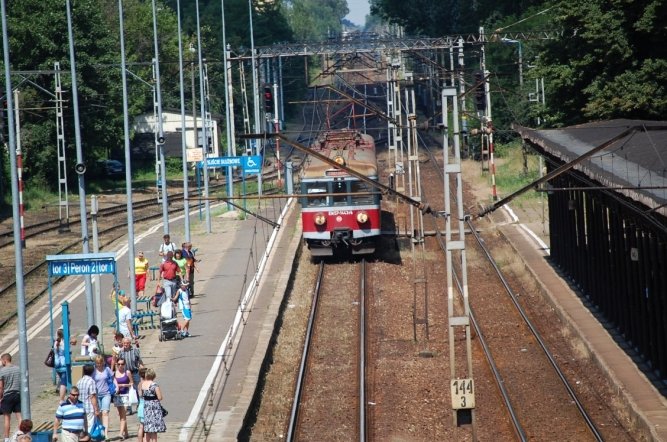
(164, 411)
(97, 431)
(133, 396)
(111, 385)
(50, 360)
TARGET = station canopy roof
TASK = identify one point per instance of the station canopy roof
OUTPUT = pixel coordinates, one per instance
(635, 165)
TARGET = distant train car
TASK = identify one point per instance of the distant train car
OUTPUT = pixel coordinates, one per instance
(340, 212)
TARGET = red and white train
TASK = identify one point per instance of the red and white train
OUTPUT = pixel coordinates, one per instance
(339, 211)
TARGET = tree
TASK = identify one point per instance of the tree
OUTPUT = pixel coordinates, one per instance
(610, 62)
(316, 19)
(38, 37)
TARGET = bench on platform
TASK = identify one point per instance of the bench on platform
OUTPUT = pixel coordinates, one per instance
(153, 270)
(145, 300)
(139, 316)
(138, 321)
(43, 432)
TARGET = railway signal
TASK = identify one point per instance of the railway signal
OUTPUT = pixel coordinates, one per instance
(268, 99)
(480, 93)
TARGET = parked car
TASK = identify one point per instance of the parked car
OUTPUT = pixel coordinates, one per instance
(112, 168)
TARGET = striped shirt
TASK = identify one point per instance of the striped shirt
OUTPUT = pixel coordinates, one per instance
(87, 388)
(71, 415)
(132, 358)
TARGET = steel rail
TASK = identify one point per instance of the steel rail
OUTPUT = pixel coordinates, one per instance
(500, 382)
(527, 321)
(536, 334)
(296, 402)
(362, 352)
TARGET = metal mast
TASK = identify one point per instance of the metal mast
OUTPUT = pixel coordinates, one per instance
(63, 203)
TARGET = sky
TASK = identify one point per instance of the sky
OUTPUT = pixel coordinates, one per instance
(358, 11)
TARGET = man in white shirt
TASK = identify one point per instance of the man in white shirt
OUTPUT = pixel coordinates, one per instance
(166, 246)
(125, 320)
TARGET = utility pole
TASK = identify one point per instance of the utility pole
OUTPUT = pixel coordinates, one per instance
(128, 163)
(231, 143)
(80, 165)
(255, 92)
(18, 251)
(186, 199)
(207, 202)
(160, 130)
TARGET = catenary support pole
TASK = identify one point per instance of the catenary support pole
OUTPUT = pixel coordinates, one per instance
(255, 93)
(81, 168)
(231, 145)
(160, 129)
(128, 163)
(186, 199)
(18, 252)
(19, 165)
(202, 106)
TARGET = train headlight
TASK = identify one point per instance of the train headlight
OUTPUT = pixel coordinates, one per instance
(362, 217)
(320, 219)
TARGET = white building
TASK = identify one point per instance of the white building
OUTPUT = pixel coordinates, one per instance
(145, 125)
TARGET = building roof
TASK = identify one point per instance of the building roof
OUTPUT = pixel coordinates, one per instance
(637, 160)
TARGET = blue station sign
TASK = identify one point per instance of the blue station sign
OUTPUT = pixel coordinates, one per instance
(81, 264)
(251, 164)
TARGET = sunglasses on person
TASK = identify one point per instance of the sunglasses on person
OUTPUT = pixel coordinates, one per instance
(74, 394)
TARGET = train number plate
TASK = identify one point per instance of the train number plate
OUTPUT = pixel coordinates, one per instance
(463, 393)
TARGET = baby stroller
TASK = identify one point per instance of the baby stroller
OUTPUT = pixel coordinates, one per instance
(168, 321)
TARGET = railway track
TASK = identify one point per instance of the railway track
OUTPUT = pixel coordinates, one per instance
(515, 351)
(322, 405)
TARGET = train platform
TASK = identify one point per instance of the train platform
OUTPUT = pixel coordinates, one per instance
(645, 405)
(212, 374)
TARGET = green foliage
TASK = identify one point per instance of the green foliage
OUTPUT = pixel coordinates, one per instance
(609, 63)
(510, 172)
(316, 19)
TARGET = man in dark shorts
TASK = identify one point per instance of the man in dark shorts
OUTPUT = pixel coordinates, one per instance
(10, 391)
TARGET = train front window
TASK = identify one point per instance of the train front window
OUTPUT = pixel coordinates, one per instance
(358, 187)
(340, 193)
(316, 194)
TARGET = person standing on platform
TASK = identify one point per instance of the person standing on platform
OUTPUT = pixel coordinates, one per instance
(153, 419)
(169, 271)
(72, 416)
(103, 376)
(89, 342)
(10, 391)
(140, 407)
(123, 380)
(181, 262)
(88, 394)
(191, 262)
(125, 320)
(132, 357)
(140, 273)
(182, 297)
(133, 361)
(118, 301)
(166, 246)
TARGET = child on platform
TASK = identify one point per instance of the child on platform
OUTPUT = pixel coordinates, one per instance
(182, 297)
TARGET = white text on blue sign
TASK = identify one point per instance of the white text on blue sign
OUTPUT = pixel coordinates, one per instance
(83, 267)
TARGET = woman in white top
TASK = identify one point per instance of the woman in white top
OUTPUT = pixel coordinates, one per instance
(89, 342)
